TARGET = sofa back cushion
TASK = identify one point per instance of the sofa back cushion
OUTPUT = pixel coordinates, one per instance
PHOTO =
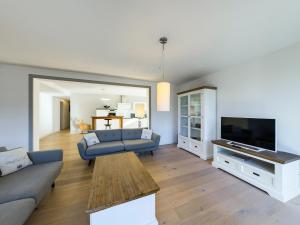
(131, 134)
(109, 135)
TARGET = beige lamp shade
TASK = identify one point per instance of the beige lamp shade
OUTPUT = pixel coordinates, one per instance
(163, 96)
(139, 110)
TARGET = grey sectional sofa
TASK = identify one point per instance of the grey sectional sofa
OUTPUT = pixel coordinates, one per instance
(118, 140)
(22, 191)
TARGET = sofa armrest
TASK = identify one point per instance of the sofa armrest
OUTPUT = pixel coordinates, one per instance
(156, 138)
(46, 156)
(82, 147)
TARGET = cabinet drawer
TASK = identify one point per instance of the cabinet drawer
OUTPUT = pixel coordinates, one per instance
(226, 161)
(196, 147)
(183, 142)
(258, 175)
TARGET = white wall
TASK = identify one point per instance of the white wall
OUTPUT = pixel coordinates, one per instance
(49, 116)
(268, 87)
(14, 97)
(36, 114)
(56, 114)
(46, 115)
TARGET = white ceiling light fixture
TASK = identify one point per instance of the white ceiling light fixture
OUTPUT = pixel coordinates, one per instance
(163, 87)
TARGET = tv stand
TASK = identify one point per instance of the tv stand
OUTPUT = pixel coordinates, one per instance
(277, 173)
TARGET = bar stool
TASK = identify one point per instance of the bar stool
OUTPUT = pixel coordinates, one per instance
(107, 125)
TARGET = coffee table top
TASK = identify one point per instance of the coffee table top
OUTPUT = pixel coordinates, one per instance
(119, 178)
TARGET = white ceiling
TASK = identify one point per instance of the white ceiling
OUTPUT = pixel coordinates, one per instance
(121, 37)
(66, 88)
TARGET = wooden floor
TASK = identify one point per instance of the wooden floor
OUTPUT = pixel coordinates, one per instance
(192, 192)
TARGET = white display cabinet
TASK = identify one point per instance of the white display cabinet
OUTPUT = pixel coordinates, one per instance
(197, 121)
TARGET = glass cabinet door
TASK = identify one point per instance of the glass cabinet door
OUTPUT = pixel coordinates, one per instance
(195, 116)
(184, 112)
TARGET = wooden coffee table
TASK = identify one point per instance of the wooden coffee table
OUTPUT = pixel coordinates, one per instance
(122, 192)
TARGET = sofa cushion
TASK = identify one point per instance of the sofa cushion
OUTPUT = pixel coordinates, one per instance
(109, 135)
(16, 212)
(138, 144)
(105, 147)
(131, 134)
(31, 182)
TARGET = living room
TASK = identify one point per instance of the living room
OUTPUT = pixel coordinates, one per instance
(224, 64)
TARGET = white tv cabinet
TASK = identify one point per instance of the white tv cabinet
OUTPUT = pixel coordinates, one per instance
(277, 173)
(197, 121)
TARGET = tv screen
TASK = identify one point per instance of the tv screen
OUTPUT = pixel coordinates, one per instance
(250, 131)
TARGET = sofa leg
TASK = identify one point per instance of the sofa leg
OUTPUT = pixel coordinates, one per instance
(151, 153)
(53, 185)
(90, 162)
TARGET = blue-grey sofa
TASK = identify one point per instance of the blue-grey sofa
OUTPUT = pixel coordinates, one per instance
(118, 140)
(22, 191)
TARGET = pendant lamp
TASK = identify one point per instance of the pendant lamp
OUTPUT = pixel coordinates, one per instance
(163, 87)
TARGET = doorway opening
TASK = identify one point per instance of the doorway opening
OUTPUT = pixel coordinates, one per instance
(76, 106)
(64, 114)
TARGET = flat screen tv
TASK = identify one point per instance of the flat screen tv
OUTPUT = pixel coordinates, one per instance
(260, 133)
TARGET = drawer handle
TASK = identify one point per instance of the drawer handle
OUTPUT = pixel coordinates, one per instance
(226, 161)
(256, 174)
(184, 142)
(196, 146)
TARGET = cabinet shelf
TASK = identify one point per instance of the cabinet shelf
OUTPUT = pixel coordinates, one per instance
(196, 138)
(265, 166)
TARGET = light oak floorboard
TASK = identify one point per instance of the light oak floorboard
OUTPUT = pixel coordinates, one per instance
(192, 191)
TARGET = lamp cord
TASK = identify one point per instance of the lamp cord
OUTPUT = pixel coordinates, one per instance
(163, 61)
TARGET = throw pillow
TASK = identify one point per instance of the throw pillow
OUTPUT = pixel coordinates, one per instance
(91, 139)
(13, 160)
(146, 134)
